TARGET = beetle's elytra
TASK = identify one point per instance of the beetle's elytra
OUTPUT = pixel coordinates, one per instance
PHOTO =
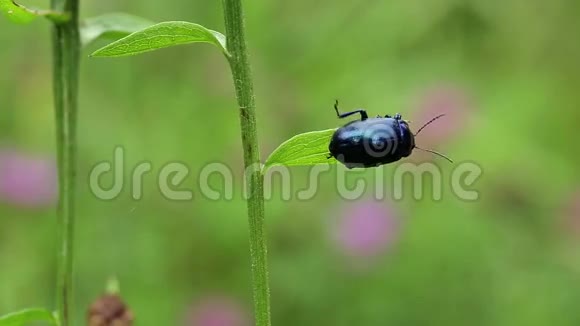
(371, 142)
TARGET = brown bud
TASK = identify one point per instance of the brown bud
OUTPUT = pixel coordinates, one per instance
(109, 310)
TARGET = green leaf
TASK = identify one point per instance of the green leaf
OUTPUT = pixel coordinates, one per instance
(113, 25)
(26, 316)
(160, 36)
(22, 15)
(309, 148)
(16, 13)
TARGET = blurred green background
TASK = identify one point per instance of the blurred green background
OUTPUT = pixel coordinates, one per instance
(507, 73)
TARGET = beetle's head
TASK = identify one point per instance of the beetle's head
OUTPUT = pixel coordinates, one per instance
(407, 137)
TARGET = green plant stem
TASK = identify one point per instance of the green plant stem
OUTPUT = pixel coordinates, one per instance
(66, 51)
(240, 66)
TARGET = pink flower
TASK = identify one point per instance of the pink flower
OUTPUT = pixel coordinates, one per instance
(217, 311)
(27, 179)
(366, 229)
(448, 100)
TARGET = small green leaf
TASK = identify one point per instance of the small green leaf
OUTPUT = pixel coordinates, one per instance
(160, 36)
(309, 148)
(112, 286)
(15, 12)
(22, 15)
(113, 25)
(26, 316)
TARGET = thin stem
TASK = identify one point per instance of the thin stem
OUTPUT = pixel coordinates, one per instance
(66, 48)
(240, 66)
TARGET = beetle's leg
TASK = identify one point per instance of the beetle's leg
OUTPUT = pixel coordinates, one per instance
(363, 113)
(398, 116)
(328, 156)
(387, 116)
(378, 116)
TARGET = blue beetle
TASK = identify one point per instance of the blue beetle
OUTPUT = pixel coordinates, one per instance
(375, 141)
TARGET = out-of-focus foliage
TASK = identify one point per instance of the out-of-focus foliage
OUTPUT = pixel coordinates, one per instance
(27, 316)
(15, 12)
(20, 14)
(506, 73)
(114, 25)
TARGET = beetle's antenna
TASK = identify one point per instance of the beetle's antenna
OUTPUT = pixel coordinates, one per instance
(428, 123)
(436, 153)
